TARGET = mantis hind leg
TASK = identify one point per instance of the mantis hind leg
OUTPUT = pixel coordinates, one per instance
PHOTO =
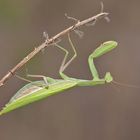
(39, 76)
(65, 64)
(47, 80)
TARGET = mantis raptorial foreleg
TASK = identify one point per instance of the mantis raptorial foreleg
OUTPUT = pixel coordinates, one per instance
(98, 52)
(102, 49)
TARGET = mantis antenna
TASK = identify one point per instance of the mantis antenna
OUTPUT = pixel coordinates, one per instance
(125, 85)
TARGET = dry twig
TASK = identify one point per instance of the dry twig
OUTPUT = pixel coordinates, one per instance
(49, 42)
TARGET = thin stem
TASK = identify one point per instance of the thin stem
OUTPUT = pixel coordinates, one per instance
(49, 42)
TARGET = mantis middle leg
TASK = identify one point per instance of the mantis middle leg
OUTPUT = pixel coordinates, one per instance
(65, 64)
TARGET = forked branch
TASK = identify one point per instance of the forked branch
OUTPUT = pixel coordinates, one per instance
(48, 42)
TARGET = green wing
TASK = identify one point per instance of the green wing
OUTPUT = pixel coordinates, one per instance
(35, 91)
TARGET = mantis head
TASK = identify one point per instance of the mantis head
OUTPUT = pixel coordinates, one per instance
(108, 77)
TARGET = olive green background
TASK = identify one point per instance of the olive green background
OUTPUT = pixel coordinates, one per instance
(107, 112)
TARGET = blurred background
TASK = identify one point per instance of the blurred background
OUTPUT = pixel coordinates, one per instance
(107, 112)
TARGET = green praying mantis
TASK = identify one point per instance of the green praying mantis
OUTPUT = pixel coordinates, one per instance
(38, 90)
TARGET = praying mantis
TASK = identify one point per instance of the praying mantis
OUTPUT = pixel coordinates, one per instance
(38, 90)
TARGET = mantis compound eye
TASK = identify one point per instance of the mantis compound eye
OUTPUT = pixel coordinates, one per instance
(108, 77)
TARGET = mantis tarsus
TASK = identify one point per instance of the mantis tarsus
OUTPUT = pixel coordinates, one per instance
(38, 90)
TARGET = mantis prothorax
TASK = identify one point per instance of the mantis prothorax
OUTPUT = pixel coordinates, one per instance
(38, 90)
